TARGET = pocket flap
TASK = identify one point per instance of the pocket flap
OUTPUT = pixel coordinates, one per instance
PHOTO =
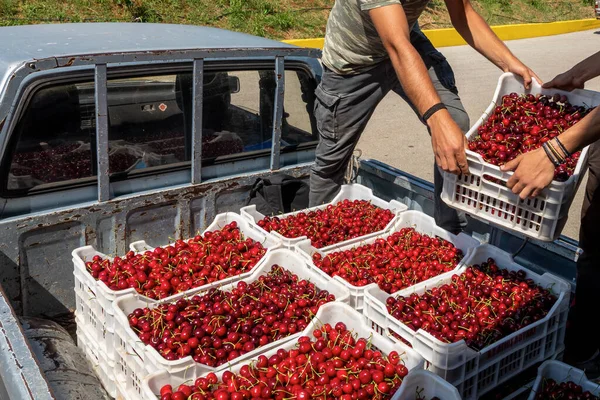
(327, 98)
(436, 57)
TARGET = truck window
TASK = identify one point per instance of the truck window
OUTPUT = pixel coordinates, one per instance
(146, 122)
(298, 119)
(150, 125)
(53, 137)
(151, 117)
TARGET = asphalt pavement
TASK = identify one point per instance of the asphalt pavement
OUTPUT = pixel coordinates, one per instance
(395, 136)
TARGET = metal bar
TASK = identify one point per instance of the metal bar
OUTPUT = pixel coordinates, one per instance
(158, 56)
(197, 101)
(278, 113)
(102, 133)
(184, 55)
(20, 375)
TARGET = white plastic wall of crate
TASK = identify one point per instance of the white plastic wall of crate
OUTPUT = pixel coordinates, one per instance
(421, 222)
(541, 218)
(460, 364)
(153, 361)
(249, 230)
(427, 385)
(561, 372)
(347, 192)
(97, 298)
(329, 313)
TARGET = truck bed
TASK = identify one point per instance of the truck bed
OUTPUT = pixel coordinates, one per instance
(22, 378)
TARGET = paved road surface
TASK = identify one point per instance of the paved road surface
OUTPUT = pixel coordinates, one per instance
(395, 136)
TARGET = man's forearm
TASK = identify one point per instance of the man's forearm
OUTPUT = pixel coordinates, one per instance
(588, 68)
(413, 76)
(478, 34)
(585, 132)
(447, 140)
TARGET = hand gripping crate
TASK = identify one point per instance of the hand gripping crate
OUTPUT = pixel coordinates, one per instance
(347, 192)
(542, 217)
(329, 313)
(136, 360)
(407, 219)
(426, 385)
(561, 372)
(94, 300)
(476, 372)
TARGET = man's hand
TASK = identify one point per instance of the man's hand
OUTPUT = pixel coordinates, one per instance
(448, 143)
(518, 68)
(533, 172)
(566, 81)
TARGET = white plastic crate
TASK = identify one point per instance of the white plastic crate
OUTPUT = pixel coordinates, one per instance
(248, 229)
(427, 385)
(94, 299)
(103, 367)
(407, 219)
(476, 372)
(562, 372)
(136, 360)
(542, 217)
(329, 313)
(347, 192)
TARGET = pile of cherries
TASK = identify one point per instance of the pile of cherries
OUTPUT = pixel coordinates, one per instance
(332, 364)
(218, 327)
(337, 222)
(522, 123)
(565, 390)
(213, 146)
(162, 272)
(65, 162)
(482, 305)
(401, 260)
(121, 161)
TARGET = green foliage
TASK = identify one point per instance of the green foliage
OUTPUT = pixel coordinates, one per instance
(279, 19)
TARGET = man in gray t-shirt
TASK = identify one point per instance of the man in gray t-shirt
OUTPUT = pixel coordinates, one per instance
(375, 46)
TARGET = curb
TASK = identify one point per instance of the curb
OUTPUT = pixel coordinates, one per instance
(450, 37)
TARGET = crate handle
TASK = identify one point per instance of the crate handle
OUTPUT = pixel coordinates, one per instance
(495, 181)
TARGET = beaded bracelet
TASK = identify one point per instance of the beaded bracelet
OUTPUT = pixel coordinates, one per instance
(550, 155)
(556, 153)
(563, 148)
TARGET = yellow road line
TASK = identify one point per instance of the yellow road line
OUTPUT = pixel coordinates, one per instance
(450, 37)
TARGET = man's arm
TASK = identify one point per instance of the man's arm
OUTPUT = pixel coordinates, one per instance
(448, 141)
(480, 36)
(576, 77)
(534, 170)
(584, 133)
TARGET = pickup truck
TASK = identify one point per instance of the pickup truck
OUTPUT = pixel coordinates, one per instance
(112, 133)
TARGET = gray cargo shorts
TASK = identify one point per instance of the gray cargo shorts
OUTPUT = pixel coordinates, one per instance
(343, 107)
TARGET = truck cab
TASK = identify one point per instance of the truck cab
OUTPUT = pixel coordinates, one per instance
(113, 133)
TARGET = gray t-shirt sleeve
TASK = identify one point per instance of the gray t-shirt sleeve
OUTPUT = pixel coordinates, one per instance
(366, 5)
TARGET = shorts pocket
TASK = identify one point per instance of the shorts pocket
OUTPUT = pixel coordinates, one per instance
(326, 108)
